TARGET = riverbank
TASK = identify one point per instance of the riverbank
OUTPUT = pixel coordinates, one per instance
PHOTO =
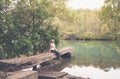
(90, 39)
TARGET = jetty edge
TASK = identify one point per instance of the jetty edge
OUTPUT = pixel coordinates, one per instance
(16, 64)
(13, 66)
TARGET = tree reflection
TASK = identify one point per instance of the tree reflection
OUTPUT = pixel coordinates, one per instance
(103, 55)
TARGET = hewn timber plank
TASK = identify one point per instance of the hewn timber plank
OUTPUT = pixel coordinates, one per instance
(2, 75)
(23, 75)
(52, 75)
(25, 62)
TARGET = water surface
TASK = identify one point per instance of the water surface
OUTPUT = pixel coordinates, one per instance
(94, 59)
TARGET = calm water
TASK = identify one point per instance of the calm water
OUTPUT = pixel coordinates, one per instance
(94, 59)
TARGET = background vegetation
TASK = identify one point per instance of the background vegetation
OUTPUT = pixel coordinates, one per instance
(26, 26)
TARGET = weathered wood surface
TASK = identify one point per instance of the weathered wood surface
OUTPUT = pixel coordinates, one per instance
(57, 75)
(23, 75)
(2, 75)
(16, 64)
(52, 75)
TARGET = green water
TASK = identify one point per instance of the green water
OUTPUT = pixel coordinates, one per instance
(94, 59)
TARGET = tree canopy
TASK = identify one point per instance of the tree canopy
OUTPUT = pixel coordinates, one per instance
(110, 15)
(26, 28)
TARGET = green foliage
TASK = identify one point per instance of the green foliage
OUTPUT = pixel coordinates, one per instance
(110, 15)
(88, 35)
(82, 24)
(27, 29)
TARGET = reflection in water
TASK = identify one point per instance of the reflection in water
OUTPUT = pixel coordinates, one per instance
(94, 59)
(92, 72)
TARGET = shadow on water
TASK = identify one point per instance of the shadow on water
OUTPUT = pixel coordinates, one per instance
(55, 65)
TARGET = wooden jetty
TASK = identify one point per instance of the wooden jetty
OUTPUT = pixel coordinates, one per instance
(16, 64)
(12, 68)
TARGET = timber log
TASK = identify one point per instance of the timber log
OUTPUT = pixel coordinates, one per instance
(16, 64)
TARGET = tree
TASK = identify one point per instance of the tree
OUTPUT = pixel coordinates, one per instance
(110, 15)
(27, 29)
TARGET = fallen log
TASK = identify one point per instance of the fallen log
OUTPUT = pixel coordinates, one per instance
(2, 75)
(15, 64)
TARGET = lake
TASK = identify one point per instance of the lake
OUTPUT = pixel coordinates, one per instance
(94, 59)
